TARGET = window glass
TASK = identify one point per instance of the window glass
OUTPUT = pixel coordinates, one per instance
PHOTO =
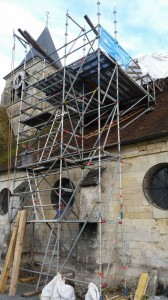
(155, 185)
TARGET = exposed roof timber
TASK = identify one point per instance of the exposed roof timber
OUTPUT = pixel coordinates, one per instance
(91, 25)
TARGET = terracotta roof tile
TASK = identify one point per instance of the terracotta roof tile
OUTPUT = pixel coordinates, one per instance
(150, 125)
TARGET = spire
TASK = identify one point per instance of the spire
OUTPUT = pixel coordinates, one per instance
(46, 42)
(47, 15)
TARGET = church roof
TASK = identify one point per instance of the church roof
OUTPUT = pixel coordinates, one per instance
(47, 44)
(151, 125)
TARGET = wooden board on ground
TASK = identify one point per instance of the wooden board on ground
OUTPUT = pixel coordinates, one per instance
(142, 286)
(17, 254)
(117, 297)
(28, 279)
(112, 297)
(9, 256)
(30, 294)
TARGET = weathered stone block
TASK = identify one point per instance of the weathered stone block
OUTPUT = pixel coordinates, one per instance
(160, 145)
(159, 214)
(142, 148)
(151, 146)
(163, 226)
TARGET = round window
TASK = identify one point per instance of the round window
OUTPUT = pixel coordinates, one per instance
(155, 185)
(67, 189)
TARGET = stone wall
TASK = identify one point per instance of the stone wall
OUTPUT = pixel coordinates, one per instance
(144, 230)
(4, 219)
(6, 182)
(145, 226)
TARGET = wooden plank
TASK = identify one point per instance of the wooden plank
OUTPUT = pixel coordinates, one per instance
(142, 285)
(28, 279)
(117, 297)
(17, 254)
(114, 297)
(30, 294)
(9, 256)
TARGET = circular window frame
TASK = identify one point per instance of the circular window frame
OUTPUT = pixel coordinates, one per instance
(148, 180)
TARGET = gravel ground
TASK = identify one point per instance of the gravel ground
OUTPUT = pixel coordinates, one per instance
(20, 289)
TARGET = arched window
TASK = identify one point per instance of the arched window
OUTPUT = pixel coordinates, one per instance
(155, 185)
(4, 201)
(67, 190)
(16, 89)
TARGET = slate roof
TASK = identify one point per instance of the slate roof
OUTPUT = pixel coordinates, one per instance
(47, 44)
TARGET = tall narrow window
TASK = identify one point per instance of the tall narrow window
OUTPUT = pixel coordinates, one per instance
(66, 189)
(4, 201)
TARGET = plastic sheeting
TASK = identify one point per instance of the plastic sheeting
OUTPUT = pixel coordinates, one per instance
(93, 293)
(154, 65)
(112, 47)
(56, 289)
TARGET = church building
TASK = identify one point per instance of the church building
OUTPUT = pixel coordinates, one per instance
(91, 165)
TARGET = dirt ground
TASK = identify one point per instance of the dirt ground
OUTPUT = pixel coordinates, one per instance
(20, 289)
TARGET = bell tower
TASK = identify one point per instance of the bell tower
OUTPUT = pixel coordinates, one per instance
(19, 79)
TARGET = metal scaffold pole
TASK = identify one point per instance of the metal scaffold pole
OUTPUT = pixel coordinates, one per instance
(121, 219)
(71, 113)
(62, 140)
(18, 130)
(99, 160)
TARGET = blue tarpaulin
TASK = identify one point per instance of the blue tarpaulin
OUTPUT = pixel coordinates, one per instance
(112, 47)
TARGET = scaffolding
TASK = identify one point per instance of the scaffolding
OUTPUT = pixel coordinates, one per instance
(70, 123)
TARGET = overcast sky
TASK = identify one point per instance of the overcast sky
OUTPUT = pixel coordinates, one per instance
(142, 24)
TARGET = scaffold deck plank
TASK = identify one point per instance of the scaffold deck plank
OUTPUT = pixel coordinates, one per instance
(142, 285)
(129, 90)
(38, 120)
